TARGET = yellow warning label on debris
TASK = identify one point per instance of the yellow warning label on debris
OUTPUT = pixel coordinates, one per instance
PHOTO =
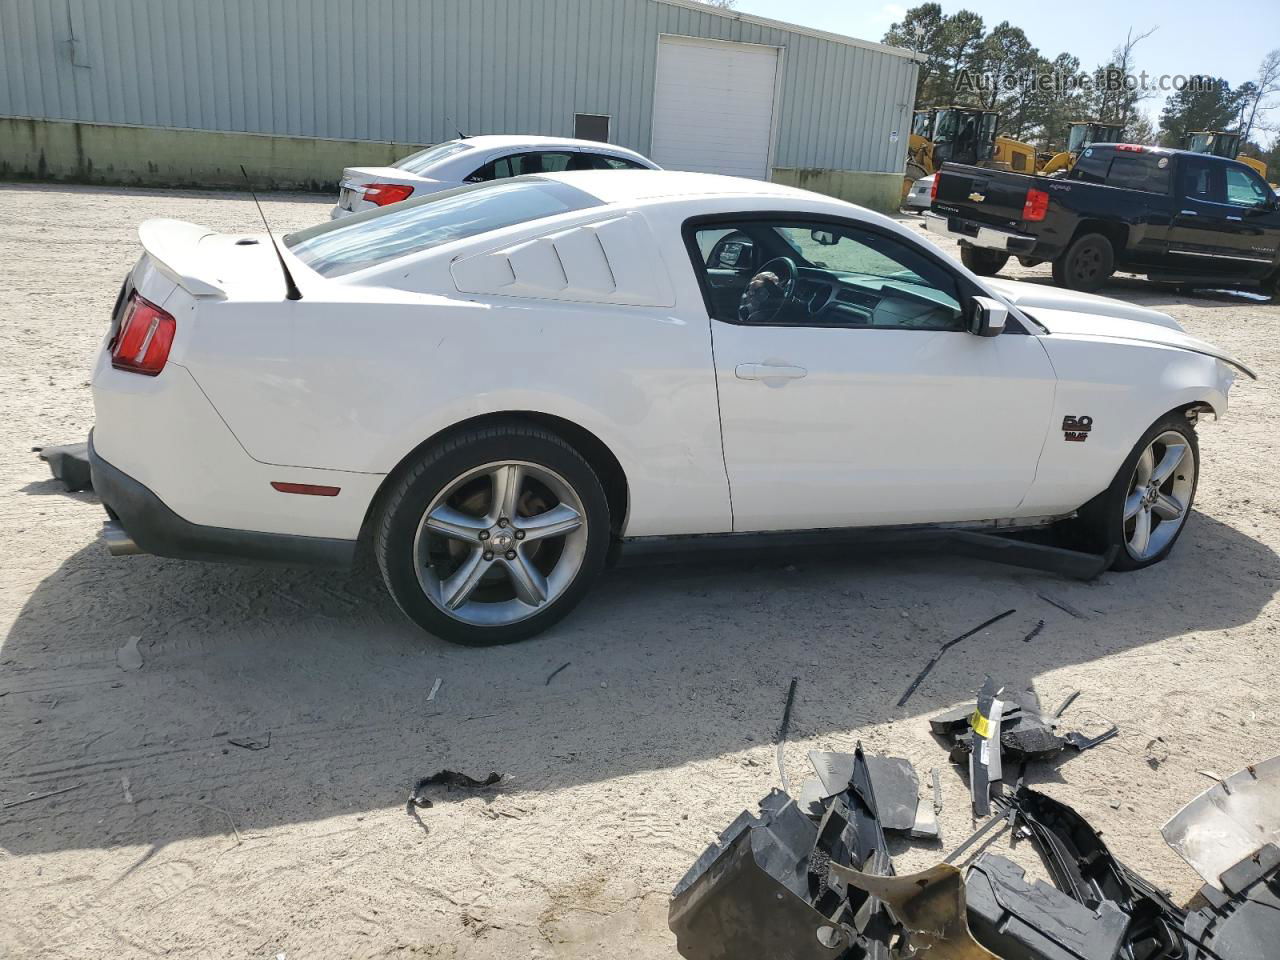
(981, 725)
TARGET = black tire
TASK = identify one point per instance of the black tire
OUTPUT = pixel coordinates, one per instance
(1086, 264)
(1100, 526)
(1030, 261)
(983, 262)
(404, 505)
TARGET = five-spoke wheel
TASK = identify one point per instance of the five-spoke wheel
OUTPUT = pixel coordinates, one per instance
(1146, 507)
(1156, 507)
(494, 535)
(500, 541)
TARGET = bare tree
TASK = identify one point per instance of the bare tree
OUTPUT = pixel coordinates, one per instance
(1267, 83)
(1118, 104)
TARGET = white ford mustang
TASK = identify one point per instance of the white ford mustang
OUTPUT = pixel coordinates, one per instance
(495, 383)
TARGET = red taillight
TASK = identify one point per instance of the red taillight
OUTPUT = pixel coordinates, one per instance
(1129, 147)
(385, 193)
(142, 343)
(933, 191)
(1036, 205)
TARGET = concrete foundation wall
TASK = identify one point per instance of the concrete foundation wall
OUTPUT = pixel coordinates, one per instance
(151, 156)
(876, 191)
(155, 157)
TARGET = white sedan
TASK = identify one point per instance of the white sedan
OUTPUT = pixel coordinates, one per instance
(495, 384)
(920, 196)
(475, 160)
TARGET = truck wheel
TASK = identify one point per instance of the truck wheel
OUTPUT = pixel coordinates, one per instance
(1086, 265)
(1145, 509)
(494, 535)
(985, 263)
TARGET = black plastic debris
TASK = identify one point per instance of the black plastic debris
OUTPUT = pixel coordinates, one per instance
(68, 463)
(765, 887)
(1026, 733)
(450, 780)
(1082, 867)
(985, 764)
(1242, 920)
(894, 782)
(1018, 920)
(749, 894)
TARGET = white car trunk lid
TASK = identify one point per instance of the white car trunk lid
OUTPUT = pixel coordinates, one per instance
(208, 264)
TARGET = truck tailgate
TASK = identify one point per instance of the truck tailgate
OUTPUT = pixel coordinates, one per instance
(988, 196)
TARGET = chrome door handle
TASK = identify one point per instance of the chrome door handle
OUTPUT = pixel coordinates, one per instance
(1187, 213)
(1237, 219)
(768, 371)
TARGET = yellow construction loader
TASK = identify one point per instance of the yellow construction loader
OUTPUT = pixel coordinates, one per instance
(961, 135)
(1081, 134)
(1220, 143)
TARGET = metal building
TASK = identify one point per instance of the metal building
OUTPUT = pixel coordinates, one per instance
(185, 90)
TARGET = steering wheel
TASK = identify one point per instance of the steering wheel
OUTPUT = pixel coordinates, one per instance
(771, 289)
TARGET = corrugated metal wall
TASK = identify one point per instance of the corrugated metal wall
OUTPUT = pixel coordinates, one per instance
(408, 70)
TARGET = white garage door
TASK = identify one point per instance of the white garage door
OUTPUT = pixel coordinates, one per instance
(713, 106)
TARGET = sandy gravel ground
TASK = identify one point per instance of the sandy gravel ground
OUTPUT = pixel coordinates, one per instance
(172, 841)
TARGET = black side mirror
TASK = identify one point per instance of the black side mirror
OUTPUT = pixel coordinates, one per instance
(987, 317)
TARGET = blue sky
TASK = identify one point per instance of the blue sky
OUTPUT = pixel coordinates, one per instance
(1227, 40)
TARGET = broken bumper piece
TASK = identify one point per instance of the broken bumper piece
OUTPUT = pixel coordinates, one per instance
(748, 894)
(1017, 920)
(768, 886)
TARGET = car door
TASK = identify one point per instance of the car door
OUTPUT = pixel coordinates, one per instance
(861, 400)
(1208, 235)
(1253, 219)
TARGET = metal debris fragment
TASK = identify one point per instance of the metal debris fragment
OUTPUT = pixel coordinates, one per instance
(250, 743)
(1229, 821)
(41, 796)
(783, 728)
(928, 667)
(556, 671)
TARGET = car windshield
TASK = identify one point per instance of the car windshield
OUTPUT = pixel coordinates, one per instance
(423, 159)
(367, 239)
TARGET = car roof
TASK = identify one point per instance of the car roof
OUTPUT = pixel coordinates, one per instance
(506, 141)
(625, 186)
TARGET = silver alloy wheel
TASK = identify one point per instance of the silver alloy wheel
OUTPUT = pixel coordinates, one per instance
(500, 542)
(1159, 495)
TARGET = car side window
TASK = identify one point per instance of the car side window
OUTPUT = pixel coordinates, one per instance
(821, 274)
(1245, 190)
(1139, 172)
(603, 162)
(1200, 180)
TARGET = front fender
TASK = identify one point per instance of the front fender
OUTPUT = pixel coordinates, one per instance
(1108, 395)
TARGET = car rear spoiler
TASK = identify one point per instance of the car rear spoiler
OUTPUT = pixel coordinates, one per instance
(172, 245)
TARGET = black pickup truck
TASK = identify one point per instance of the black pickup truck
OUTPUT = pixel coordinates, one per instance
(1178, 217)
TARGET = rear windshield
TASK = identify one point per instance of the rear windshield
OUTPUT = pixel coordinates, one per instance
(1142, 171)
(420, 161)
(376, 236)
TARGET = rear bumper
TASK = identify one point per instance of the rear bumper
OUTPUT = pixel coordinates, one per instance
(156, 529)
(980, 234)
